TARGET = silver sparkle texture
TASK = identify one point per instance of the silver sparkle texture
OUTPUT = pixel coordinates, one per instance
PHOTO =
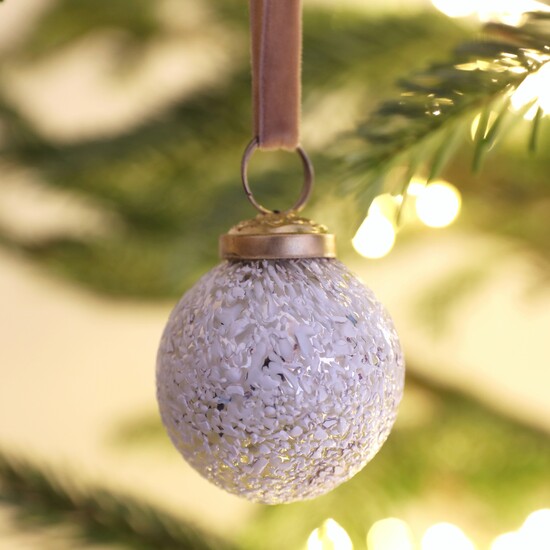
(278, 380)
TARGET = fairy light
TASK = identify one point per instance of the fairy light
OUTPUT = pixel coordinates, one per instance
(447, 536)
(535, 88)
(416, 187)
(535, 532)
(543, 95)
(330, 536)
(456, 8)
(385, 205)
(375, 237)
(439, 204)
(314, 542)
(510, 12)
(395, 534)
(508, 541)
(436, 204)
(390, 534)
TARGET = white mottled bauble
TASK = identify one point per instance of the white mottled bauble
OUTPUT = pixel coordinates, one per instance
(278, 380)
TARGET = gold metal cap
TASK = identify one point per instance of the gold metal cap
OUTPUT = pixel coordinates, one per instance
(275, 236)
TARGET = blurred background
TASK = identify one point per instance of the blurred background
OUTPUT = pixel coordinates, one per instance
(122, 124)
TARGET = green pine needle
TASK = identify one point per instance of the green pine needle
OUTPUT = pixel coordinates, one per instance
(533, 141)
(480, 76)
(40, 497)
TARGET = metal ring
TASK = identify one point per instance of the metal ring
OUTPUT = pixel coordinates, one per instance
(306, 189)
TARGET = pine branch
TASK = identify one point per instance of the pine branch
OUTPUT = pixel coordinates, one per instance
(97, 515)
(435, 103)
(172, 181)
(65, 22)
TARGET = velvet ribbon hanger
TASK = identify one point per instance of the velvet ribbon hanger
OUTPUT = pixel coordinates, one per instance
(276, 29)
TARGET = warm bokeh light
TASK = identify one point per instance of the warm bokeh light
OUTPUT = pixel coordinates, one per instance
(446, 536)
(390, 534)
(507, 541)
(330, 536)
(436, 205)
(385, 205)
(456, 8)
(439, 204)
(395, 534)
(416, 187)
(543, 75)
(375, 237)
(510, 12)
(535, 532)
(536, 87)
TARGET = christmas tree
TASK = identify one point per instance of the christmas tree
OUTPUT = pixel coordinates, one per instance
(121, 128)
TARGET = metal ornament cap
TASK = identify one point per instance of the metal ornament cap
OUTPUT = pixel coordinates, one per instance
(277, 236)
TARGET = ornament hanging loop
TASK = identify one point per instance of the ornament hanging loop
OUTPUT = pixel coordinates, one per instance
(307, 187)
(276, 27)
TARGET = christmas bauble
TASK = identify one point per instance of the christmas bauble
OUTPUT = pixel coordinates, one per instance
(278, 380)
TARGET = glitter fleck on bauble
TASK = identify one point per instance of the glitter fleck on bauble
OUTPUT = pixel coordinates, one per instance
(278, 380)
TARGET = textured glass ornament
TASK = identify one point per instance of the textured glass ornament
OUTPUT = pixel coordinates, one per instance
(279, 379)
(279, 374)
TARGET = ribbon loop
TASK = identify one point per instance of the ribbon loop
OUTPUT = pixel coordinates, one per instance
(276, 29)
